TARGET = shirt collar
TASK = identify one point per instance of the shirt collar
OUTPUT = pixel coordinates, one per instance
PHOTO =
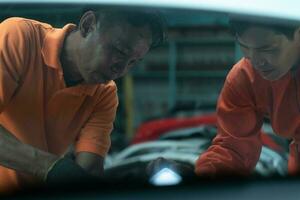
(51, 50)
(53, 44)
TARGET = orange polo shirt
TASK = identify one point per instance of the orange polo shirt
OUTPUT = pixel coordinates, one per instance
(35, 104)
(245, 100)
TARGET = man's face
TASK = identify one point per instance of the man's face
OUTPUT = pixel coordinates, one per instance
(109, 52)
(271, 54)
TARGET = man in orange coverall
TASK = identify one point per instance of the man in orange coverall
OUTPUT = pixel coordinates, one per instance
(264, 83)
(57, 89)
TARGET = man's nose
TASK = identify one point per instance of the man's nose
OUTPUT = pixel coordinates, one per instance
(256, 59)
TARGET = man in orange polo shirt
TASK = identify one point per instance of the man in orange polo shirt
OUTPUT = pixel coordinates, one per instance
(57, 89)
(265, 83)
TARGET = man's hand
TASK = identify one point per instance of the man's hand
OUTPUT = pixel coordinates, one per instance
(66, 170)
(27, 159)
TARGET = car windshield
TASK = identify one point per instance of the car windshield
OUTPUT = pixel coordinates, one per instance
(218, 97)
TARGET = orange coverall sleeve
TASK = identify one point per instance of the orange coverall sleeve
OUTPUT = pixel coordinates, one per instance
(237, 146)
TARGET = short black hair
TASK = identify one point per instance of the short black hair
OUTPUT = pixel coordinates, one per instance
(137, 17)
(239, 25)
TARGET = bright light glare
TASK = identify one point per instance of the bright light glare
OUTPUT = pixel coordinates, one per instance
(165, 177)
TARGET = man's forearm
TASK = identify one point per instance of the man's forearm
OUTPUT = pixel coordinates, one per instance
(22, 157)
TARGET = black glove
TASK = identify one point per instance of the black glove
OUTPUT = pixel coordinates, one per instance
(66, 170)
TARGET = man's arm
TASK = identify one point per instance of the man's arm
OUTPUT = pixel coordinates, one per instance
(27, 159)
(237, 147)
(22, 157)
(93, 142)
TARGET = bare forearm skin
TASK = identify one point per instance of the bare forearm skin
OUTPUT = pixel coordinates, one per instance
(23, 157)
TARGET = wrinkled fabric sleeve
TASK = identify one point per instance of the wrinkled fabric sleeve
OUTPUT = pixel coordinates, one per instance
(95, 135)
(14, 46)
(237, 146)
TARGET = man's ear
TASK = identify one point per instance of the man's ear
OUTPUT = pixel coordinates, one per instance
(87, 23)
